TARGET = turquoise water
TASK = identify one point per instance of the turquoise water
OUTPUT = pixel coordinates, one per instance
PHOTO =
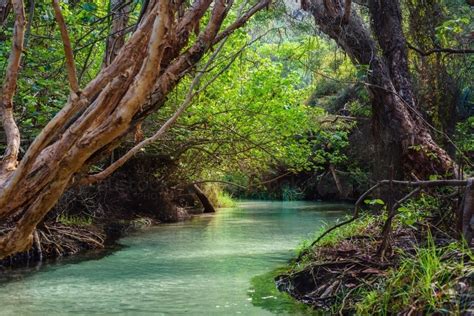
(200, 267)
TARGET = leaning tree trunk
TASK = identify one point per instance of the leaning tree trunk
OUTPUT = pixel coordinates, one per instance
(206, 204)
(403, 138)
(98, 117)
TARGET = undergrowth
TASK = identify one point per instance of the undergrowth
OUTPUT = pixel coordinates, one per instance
(217, 196)
(358, 227)
(426, 281)
(435, 275)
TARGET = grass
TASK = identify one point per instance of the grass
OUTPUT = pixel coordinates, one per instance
(424, 282)
(217, 196)
(357, 227)
(71, 220)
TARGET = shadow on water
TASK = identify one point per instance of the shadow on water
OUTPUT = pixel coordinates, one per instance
(20, 273)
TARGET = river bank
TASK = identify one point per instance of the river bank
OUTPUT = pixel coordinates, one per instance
(424, 271)
(72, 236)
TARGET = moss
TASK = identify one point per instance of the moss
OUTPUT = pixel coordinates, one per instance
(265, 294)
(71, 220)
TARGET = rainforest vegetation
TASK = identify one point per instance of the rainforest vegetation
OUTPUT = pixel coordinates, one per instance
(122, 114)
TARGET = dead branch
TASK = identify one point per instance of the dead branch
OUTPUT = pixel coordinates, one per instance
(387, 228)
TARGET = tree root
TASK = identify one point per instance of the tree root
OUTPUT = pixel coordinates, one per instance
(56, 240)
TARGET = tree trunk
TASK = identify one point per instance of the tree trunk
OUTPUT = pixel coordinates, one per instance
(208, 207)
(403, 139)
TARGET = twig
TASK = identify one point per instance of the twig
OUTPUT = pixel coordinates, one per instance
(440, 50)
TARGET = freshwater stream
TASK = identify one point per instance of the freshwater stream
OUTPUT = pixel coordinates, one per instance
(204, 266)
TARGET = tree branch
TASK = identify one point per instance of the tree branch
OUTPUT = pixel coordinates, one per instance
(70, 65)
(8, 91)
(241, 20)
(440, 50)
(163, 129)
(417, 184)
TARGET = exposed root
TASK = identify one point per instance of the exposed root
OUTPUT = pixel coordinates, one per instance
(57, 240)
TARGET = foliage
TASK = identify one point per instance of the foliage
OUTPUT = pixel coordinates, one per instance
(252, 118)
(41, 87)
(415, 210)
(290, 193)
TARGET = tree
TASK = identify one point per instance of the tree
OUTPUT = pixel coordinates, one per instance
(159, 53)
(405, 140)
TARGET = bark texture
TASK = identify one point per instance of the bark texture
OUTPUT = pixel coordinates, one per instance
(12, 132)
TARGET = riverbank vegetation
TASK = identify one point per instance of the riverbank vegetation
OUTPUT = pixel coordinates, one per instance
(120, 114)
(425, 270)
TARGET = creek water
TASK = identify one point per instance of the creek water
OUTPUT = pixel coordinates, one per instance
(205, 266)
